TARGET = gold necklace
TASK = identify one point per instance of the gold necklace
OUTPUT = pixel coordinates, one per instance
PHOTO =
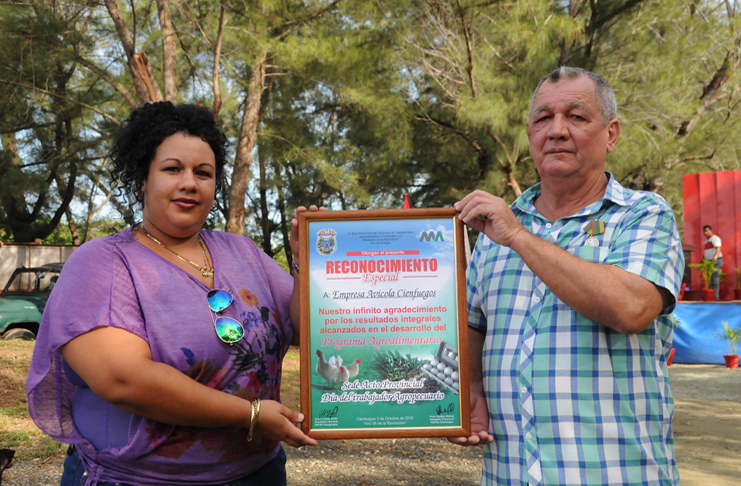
(205, 270)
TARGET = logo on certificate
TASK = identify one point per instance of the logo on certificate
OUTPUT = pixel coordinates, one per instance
(327, 242)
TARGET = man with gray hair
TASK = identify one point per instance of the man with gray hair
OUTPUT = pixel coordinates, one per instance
(570, 291)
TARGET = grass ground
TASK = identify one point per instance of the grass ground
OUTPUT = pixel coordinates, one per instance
(17, 430)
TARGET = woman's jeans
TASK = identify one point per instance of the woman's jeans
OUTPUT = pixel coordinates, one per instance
(272, 473)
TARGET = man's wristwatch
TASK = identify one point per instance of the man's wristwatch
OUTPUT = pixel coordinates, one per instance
(294, 266)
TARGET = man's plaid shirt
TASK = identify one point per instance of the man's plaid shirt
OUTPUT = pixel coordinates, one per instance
(571, 401)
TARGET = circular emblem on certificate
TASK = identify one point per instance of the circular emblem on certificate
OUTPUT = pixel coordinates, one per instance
(326, 243)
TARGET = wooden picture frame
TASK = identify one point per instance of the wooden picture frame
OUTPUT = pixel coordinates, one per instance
(384, 293)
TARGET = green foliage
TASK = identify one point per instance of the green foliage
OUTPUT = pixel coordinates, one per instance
(60, 236)
(706, 268)
(732, 336)
(282, 260)
(364, 101)
(738, 277)
(47, 136)
(100, 227)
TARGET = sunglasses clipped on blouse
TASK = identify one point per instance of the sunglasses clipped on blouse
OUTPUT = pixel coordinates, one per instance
(229, 330)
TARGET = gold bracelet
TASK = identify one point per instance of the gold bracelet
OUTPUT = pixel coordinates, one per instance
(253, 418)
(257, 412)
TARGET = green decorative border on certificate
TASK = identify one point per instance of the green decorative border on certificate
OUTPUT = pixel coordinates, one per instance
(383, 324)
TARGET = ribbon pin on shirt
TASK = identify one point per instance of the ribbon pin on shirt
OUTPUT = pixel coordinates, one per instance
(593, 228)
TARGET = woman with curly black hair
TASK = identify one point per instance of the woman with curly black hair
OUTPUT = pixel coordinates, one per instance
(159, 354)
(147, 127)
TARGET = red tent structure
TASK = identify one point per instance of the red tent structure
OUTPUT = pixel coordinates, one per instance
(714, 198)
(711, 198)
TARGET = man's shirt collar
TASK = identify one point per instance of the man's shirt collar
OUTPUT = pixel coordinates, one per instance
(614, 193)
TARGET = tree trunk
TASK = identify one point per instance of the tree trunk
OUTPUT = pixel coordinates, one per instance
(509, 166)
(217, 53)
(469, 50)
(129, 48)
(484, 162)
(284, 223)
(574, 7)
(13, 201)
(68, 213)
(563, 60)
(265, 223)
(147, 76)
(511, 180)
(29, 231)
(63, 135)
(72, 227)
(247, 136)
(91, 210)
(170, 64)
(22, 223)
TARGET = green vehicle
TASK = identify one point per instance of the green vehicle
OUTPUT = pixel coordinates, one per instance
(23, 299)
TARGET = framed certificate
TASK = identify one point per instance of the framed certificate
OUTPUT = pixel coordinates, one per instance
(383, 324)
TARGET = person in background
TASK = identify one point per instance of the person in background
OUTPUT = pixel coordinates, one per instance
(159, 353)
(570, 293)
(712, 252)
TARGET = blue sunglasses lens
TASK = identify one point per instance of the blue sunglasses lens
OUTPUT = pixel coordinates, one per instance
(218, 300)
(229, 330)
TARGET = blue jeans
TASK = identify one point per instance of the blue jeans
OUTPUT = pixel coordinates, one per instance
(271, 474)
(715, 278)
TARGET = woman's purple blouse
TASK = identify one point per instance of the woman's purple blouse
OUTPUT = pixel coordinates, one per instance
(116, 281)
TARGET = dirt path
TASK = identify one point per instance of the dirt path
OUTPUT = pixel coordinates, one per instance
(707, 424)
